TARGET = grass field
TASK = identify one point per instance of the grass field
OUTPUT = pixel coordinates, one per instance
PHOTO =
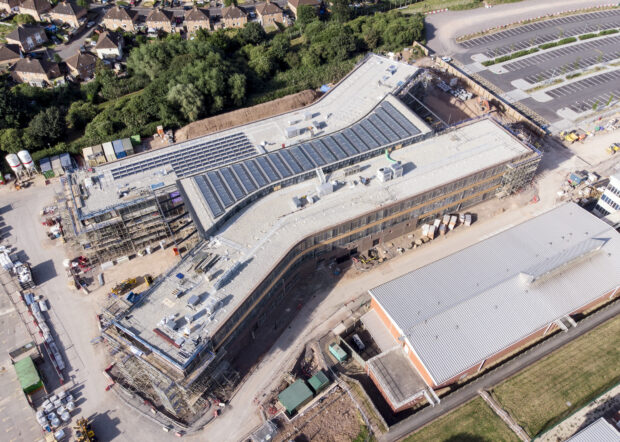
(472, 422)
(555, 387)
(431, 5)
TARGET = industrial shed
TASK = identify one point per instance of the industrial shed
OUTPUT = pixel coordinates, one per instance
(28, 376)
(295, 396)
(318, 382)
(598, 431)
(458, 315)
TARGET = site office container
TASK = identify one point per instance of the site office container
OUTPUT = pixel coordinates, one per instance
(57, 166)
(119, 150)
(99, 155)
(67, 162)
(46, 168)
(127, 146)
(108, 150)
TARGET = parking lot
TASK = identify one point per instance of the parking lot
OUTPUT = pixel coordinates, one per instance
(563, 60)
(515, 39)
(599, 89)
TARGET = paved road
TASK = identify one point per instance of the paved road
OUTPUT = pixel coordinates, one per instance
(494, 377)
(70, 49)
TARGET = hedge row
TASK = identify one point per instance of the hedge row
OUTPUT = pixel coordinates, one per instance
(512, 56)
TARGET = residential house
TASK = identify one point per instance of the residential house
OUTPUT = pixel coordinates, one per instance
(82, 65)
(68, 12)
(9, 55)
(295, 4)
(234, 17)
(269, 14)
(9, 6)
(27, 37)
(38, 9)
(196, 19)
(160, 20)
(35, 72)
(118, 17)
(109, 45)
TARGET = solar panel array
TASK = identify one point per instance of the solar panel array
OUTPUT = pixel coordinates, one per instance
(223, 187)
(194, 158)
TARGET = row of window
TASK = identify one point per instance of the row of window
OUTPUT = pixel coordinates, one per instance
(611, 202)
(613, 190)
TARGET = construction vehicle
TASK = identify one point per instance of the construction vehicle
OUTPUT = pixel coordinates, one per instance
(83, 431)
(125, 286)
(569, 136)
(613, 148)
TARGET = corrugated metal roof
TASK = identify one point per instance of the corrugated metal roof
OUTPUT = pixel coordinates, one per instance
(598, 431)
(460, 310)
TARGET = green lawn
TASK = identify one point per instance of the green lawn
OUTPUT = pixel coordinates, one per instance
(555, 387)
(472, 422)
(431, 5)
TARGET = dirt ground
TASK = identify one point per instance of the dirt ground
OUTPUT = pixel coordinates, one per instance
(334, 418)
(245, 115)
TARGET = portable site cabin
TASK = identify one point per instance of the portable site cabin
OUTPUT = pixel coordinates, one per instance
(127, 146)
(89, 157)
(338, 352)
(99, 155)
(119, 151)
(57, 166)
(318, 382)
(295, 396)
(108, 150)
(28, 376)
(46, 168)
(67, 162)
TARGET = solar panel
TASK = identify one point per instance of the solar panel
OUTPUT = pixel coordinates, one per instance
(244, 177)
(300, 157)
(220, 188)
(324, 151)
(290, 161)
(277, 161)
(314, 157)
(344, 144)
(258, 176)
(268, 169)
(374, 132)
(207, 193)
(381, 113)
(383, 128)
(400, 118)
(232, 182)
(355, 140)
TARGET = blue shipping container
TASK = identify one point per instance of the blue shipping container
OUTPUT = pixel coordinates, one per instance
(119, 150)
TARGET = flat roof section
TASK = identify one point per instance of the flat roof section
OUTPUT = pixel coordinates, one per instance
(397, 377)
(253, 241)
(464, 308)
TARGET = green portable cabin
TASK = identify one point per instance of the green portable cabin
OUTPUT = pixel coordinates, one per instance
(28, 376)
(295, 396)
(338, 352)
(318, 382)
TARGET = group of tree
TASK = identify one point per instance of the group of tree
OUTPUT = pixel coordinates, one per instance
(171, 81)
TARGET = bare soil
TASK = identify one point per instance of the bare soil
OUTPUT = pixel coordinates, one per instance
(245, 115)
(335, 419)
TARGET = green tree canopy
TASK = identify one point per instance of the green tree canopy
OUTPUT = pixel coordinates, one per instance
(252, 33)
(306, 14)
(48, 126)
(11, 140)
(340, 10)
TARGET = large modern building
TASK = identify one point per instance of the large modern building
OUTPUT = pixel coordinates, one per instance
(336, 189)
(598, 431)
(109, 204)
(609, 202)
(462, 314)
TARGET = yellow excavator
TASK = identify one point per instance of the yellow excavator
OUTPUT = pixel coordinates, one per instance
(124, 286)
(83, 431)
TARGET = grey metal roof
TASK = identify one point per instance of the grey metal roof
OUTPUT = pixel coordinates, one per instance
(458, 311)
(598, 431)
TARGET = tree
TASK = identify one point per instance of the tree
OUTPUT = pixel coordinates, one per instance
(306, 14)
(24, 19)
(48, 126)
(230, 3)
(252, 33)
(372, 38)
(236, 82)
(84, 4)
(280, 45)
(261, 61)
(10, 111)
(80, 114)
(11, 140)
(341, 12)
(189, 100)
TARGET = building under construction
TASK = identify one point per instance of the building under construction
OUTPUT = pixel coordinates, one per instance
(266, 222)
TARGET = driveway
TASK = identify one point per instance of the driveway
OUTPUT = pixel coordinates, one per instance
(70, 49)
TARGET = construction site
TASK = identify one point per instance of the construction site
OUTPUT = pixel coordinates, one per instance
(370, 168)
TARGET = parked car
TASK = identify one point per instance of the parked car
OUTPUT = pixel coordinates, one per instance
(358, 342)
(446, 59)
(90, 24)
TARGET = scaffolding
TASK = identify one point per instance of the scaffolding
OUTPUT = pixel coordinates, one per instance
(153, 217)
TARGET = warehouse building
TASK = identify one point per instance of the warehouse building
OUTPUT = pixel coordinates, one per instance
(598, 431)
(462, 314)
(259, 241)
